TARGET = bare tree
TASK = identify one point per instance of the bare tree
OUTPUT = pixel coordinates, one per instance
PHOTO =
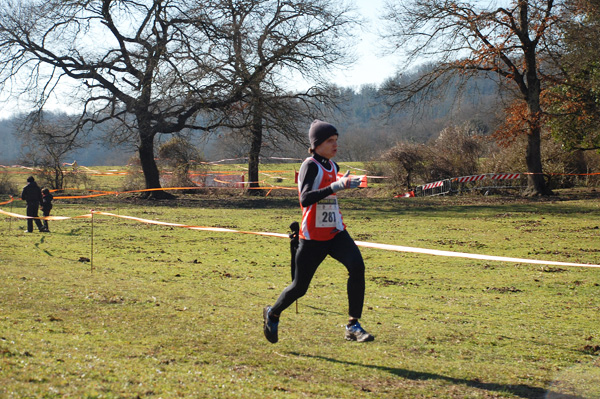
(274, 45)
(46, 143)
(467, 38)
(149, 64)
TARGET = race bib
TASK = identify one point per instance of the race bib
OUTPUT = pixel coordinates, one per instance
(328, 212)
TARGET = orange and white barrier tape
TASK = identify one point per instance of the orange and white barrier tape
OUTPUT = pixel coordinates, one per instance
(18, 216)
(100, 193)
(387, 247)
(7, 202)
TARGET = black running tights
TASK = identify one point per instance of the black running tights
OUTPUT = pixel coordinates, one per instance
(308, 258)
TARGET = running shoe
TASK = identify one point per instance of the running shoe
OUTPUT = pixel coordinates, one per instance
(356, 333)
(270, 326)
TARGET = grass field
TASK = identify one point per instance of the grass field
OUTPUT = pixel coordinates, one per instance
(170, 312)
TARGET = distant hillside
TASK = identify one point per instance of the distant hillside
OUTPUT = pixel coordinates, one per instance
(9, 145)
(366, 128)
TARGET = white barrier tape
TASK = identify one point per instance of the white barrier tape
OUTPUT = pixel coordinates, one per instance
(202, 228)
(16, 166)
(286, 159)
(399, 248)
(245, 158)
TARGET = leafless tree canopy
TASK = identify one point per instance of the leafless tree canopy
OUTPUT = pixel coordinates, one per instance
(160, 66)
(46, 143)
(273, 45)
(142, 63)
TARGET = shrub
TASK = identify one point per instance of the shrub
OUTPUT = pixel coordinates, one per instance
(455, 152)
(563, 168)
(7, 186)
(179, 157)
(406, 164)
(135, 178)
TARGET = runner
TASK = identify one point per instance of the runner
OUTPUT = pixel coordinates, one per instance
(322, 233)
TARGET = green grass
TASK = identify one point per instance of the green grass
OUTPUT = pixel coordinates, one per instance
(171, 312)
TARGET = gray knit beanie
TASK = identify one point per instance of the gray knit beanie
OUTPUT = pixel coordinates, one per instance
(319, 132)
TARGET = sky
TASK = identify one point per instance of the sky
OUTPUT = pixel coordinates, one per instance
(371, 67)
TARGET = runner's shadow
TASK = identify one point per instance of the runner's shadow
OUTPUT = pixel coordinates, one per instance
(519, 390)
(37, 245)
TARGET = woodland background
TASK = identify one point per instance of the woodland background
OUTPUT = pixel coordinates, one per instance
(484, 90)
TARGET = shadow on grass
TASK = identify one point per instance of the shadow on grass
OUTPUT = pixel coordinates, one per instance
(520, 390)
(37, 245)
(324, 310)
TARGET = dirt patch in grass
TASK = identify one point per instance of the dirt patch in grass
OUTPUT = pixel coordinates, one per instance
(503, 290)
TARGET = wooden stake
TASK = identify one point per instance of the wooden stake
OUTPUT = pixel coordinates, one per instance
(11, 211)
(92, 242)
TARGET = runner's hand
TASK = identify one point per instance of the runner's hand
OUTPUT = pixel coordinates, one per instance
(345, 182)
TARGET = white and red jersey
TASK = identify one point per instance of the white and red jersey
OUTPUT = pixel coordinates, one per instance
(321, 220)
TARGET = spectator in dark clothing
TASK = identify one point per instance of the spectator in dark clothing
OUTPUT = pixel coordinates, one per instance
(46, 206)
(32, 194)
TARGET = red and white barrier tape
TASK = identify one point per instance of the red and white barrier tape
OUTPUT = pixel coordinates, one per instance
(505, 176)
(433, 185)
(493, 176)
(472, 178)
(465, 179)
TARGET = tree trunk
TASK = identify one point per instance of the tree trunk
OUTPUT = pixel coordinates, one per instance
(149, 167)
(536, 185)
(256, 132)
(59, 177)
(532, 89)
